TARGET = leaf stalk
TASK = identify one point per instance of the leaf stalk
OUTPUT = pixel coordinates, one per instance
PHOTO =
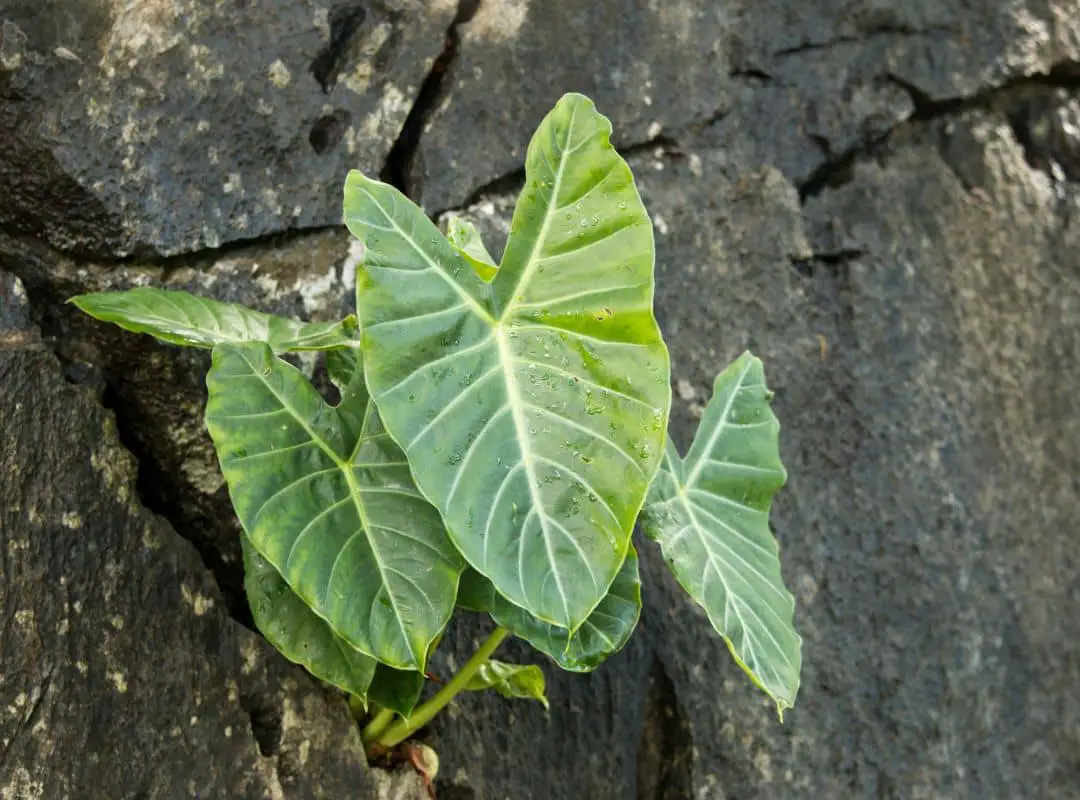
(401, 730)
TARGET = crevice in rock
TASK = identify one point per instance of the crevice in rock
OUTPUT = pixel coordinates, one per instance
(833, 263)
(398, 169)
(266, 721)
(345, 20)
(508, 183)
(158, 492)
(1064, 75)
(665, 751)
(755, 77)
(37, 699)
(888, 29)
(207, 524)
(838, 169)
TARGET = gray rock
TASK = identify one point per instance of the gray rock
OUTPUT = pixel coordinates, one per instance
(160, 390)
(913, 331)
(516, 58)
(795, 86)
(147, 128)
(122, 674)
(877, 198)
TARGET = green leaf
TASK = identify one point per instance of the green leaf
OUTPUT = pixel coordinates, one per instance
(396, 689)
(533, 408)
(710, 515)
(605, 632)
(186, 319)
(510, 680)
(464, 236)
(297, 633)
(326, 497)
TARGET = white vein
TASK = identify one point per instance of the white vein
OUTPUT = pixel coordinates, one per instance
(446, 409)
(517, 409)
(570, 423)
(585, 485)
(478, 309)
(451, 356)
(472, 449)
(586, 382)
(546, 303)
(426, 315)
(721, 425)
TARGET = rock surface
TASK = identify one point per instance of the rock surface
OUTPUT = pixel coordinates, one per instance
(116, 642)
(878, 198)
(170, 127)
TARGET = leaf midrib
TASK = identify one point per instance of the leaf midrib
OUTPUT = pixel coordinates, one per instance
(691, 479)
(517, 408)
(682, 497)
(545, 226)
(354, 493)
(507, 358)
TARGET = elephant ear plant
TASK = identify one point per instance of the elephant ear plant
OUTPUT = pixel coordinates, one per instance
(500, 431)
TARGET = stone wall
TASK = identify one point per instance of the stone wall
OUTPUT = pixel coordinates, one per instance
(880, 198)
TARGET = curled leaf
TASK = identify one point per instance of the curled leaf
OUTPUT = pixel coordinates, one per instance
(510, 680)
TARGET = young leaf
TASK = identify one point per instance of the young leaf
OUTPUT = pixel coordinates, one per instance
(605, 632)
(532, 408)
(510, 680)
(297, 633)
(326, 497)
(396, 689)
(464, 236)
(186, 319)
(710, 515)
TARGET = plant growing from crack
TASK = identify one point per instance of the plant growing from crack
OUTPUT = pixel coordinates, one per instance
(500, 430)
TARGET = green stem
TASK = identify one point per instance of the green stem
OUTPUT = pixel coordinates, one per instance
(404, 728)
(379, 723)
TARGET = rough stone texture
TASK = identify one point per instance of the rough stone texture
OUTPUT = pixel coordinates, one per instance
(925, 530)
(791, 84)
(164, 128)
(162, 390)
(507, 76)
(115, 641)
(881, 200)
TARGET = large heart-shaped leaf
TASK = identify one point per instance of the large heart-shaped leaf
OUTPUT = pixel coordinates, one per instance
(297, 632)
(186, 319)
(710, 515)
(604, 633)
(325, 495)
(533, 408)
(510, 680)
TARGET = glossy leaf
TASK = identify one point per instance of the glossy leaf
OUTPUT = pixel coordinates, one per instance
(297, 633)
(464, 236)
(533, 408)
(396, 689)
(605, 632)
(710, 515)
(186, 319)
(326, 497)
(510, 680)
